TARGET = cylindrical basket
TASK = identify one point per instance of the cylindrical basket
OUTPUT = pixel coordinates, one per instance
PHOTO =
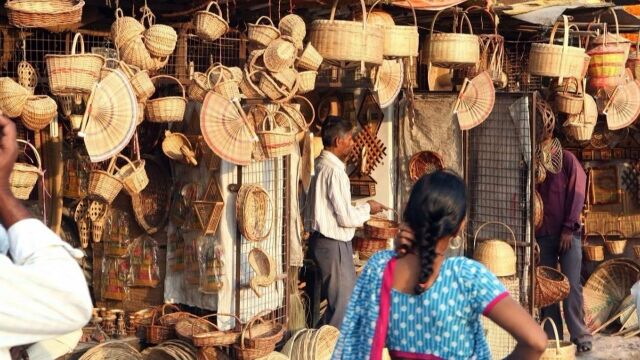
(592, 251)
(262, 34)
(551, 286)
(44, 13)
(13, 97)
(615, 247)
(453, 50)
(38, 112)
(168, 108)
(307, 81)
(105, 184)
(74, 73)
(208, 25)
(400, 40)
(25, 176)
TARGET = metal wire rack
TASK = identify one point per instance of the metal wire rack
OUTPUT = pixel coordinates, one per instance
(498, 168)
(271, 175)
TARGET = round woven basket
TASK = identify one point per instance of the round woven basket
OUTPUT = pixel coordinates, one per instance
(381, 228)
(558, 349)
(254, 212)
(310, 59)
(135, 53)
(293, 26)
(168, 108)
(208, 25)
(496, 254)
(296, 115)
(538, 210)
(451, 50)
(24, 176)
(199, 87)
(105, 184)
(615, 247)
(13, 97)
(424, 162)
(551, 286)
(125, 28)
(262, 34)
(258, 338)
(39, 112)
(160, 40)
(592, 251)
(399, 40)
(44, 13)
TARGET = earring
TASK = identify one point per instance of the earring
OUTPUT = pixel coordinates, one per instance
(455, 243)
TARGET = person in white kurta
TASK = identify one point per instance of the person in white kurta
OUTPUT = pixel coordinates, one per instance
(44, 293)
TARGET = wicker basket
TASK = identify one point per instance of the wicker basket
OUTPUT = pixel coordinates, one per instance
(377, 228)
(27, 75)
(210, 26)
(451, 50)
(615, 247)
(258, 339)
(400, 40)
(125, 28)
(75, 73)
(214, 336)
(307, 81)
(105, 184)
(296, 115)
(270, 88)
(558, 349)
(160, 40)
(310, 59)
(225, 85)
(593, 252)
(135, 53)
(287, 77)
(293, 26)
(340, 40)
(156, 332)
(496, 254)
(168, 108)
(178, 147)
(368, 245)
(262, 34)
(248, 88)
(140, 81)
(13, 97)
(39, 112)
(199, 87)
(25, 176)
(189, 325)
(569, 103)
(44, 13)
(280, 54)
(277, 141)
(133, 175)
(551, 286)
(254, 211)
(424, 162)
(557, 60)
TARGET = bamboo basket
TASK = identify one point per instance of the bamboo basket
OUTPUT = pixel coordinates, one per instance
(569, 103)
(225, 86)
(140, 81)
(189, 325)
(44, 13)
(160, 40)
(293, 26)
(296, 115)
(254, 213)
(39, 111)
(557, 60)
(105, 184)
(135, 53)
(156, 332)
(538, 210)
(340, 40)
(262, 34)
(277, 141)
(24, 176)
(125, 28)
(216, 337)
(615, 247)
(307, 81)
(199, 87)
(400, 40)
(13, 97)
(134, 176)
(208, 25)
(168, 108)
(310, 59)
(551, 286)
(452, 50)
(593, 252)
(556, 348)
(496, 254)
(74, 73)
(258, 340)
(280, 54)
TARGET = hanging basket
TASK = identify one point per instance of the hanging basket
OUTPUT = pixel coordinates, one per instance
(592, 251)
(453, 50)
(168, 108)
(225, 85)
(307, 81)
(294, 26)
(13, 97)
(199, 87)
(551, 286)
(44, 13)
(140, 81)
(277, 141)
(310, 59)
(125, 28)
(135, 53)
(105, 184)
(400, 40)
(39, 112)
(567, 102)
(160, 40)
(340, 40)
(248, 88)
(262, 34)
(133, 175)
(557, 60)
(210, 26)
(254, 212)
(615, 247)
(75, 73)
(496, 254)
(178, 147)
(280, 54)
(24, 176)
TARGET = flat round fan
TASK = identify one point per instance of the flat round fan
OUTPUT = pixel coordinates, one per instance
(475, 101)
(388, 81)
(606, 289)
(623, 107)
(550, 155)
(110, 118)
(226, 129)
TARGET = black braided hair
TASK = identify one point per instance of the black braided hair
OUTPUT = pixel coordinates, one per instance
(436, 208)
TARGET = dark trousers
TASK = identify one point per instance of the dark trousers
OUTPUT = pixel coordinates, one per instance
(334, 259)
(570, 264)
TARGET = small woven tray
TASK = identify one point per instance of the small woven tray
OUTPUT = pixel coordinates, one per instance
(424, 162)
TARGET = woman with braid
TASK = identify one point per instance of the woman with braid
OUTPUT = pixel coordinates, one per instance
(420, 305)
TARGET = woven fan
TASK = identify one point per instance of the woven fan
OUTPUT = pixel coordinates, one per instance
(550, 155)
(226, 129)
(389, 77)
(606, 289)
(110, 119)
(475, 101)
(623, 107)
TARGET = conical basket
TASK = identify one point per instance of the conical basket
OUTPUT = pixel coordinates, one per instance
(496, 254)
(13, 97)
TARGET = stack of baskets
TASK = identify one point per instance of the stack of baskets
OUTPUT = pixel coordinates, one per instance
(312, 344)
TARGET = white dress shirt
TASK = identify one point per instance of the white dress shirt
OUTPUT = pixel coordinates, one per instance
(43, 290)
(328, 209)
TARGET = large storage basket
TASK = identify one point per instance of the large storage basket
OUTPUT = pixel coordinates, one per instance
(74, 73)
(557, 60)
(451, 50)
(168, 108)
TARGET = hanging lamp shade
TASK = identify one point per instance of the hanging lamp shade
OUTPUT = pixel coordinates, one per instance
(110, 118)
(226, 130)
(307, 163)
(389, 77)
(475, 101)
(623, 107)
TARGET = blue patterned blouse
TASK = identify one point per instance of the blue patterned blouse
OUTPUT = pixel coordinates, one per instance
(441, 323)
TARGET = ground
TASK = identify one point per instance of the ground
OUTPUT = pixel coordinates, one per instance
(613, 348)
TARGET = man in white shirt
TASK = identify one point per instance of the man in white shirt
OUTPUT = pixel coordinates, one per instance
(332, 220)
(44, 293)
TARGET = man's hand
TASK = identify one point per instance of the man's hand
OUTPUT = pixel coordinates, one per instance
(405, 240)
(565, 241)
(376, 207)
(8, 151)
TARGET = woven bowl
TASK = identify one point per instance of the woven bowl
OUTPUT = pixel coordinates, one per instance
(38, 112)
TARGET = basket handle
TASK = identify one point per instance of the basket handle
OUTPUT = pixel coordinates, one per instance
(171, 78)
(617, 232)
(119, 13)
(120, 156)
(170, 306)
(221, 78)
(205, 319)
(292, 92)
(217, 7)
(252, 63)
(238, 324)
(492, 15)
(260, 316)
(35, 152)
(593, 233)
(262, 18)
(286, 116)
(75, 43)
(128, 71)
(513, 235)
(555, 331)
(313, 110)
(565, 85)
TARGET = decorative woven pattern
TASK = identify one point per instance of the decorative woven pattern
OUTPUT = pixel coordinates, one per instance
(75, 72)
(44, 13)
(38, 112)
(376, 150)
(168, 108)
(551, 286)
(24, 176)
(254, 212)
(160, 40)
(210, 26)
(424, 162)
(27, 75)
(13, 97)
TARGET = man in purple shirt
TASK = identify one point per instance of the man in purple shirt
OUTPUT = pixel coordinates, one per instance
(563, 197)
